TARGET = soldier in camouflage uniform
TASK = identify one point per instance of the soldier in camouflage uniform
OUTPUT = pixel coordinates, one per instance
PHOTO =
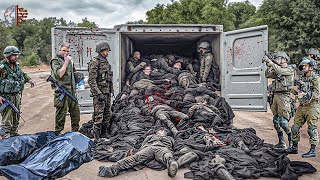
(62, 69)
(283, 76)
(100, 82)
(308, 93)
(12, 80)
(134, 66)
(209, 70)
(314, 54)
(157, 146)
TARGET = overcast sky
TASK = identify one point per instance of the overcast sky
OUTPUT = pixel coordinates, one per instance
(106, 13)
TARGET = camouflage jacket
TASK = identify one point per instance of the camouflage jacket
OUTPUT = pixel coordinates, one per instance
(207, 64)
(309, 89)
(100, 76)
(159, 141)
(284, 77)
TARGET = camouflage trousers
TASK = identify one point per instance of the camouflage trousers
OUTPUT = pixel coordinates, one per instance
(146, 154)
(281, 107)
(309, 113)
(166, 116)
(102, 113)
(62, 108)
(10, 119)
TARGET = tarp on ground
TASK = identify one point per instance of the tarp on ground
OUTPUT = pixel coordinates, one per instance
(16, 149)
(60, 156)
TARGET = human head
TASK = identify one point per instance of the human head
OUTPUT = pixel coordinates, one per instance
(147, 70)
(178, 64)
(281, 58)
(136, 55)
(170, 59)
(103, 48)
(64, 49)
(313, 53)
(11, 53)
(204, 47)
(307, 65)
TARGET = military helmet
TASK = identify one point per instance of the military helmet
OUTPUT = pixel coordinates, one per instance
(313, 51)
(204, 45)
(11, 50)
(281, 54)
(102, 46)
(306, 60)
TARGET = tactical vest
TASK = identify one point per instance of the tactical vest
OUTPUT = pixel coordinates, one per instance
(104, 76)
(13, 82)
(305, 87)
(284, 83)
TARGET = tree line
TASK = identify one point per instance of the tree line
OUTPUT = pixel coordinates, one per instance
(33, 38)
(294, 25)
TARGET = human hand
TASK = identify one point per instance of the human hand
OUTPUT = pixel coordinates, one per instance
(142, 64)
(31, 83)
(101, 97)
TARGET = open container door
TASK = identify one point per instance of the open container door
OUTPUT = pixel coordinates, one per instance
(82, 49)
(243, 82)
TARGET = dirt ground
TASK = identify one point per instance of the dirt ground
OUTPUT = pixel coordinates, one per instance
(38, 111)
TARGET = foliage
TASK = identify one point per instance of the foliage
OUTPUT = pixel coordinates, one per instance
(86, 23)
(242, 12)
(293, 26)
(32, 60)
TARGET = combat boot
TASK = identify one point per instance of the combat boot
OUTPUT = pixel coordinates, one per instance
(293, 149)
(172, 168)
(311, 153)
(290, 139)
(281, 144)
(107, 171)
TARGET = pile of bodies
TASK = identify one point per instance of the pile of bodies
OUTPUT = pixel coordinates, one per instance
(199, 134)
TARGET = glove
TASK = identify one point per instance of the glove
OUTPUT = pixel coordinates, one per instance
(31, 83)
(101, 97)
(265, 59)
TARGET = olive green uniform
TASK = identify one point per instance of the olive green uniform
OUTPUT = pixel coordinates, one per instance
(281, 87)
(100, 82)
(11, 86)
(309, 109)
(66, 104)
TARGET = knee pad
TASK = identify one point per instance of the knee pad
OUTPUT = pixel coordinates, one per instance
(312, 130)
(275, 119)
(295, 128)
(284, 124)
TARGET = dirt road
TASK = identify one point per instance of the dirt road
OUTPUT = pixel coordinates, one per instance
(38, 111)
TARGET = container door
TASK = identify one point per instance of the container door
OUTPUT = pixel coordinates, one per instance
(82, 49)
(243, 83)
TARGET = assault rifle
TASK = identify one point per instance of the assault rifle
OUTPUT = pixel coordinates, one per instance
(6, 103)
(62, 90)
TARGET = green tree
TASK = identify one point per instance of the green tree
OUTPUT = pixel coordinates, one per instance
(5, 38)
(192, 12)
(31, 60)
(293, 25)
(242, 12)
(86, 23)
(136, 22)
